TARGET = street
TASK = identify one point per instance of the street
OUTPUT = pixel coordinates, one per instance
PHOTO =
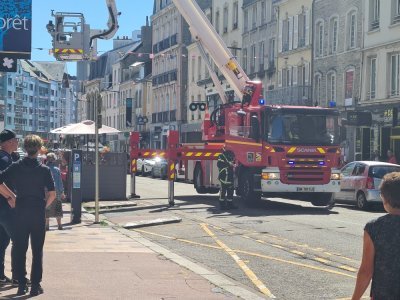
(282, 248)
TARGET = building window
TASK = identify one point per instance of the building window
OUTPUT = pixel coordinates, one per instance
(252, 58)
(352, 30)
(193, 68)
(263, 12)
(199, 68)
(225, 20)
(374, 14)
(332, 87)
(261, 54)
(395, 75)
(319, 50)
(334, 35)
(396, 11)
(302, 28)
(245, 59)
(245, 20)
(217, 22)
(317, 89)
(285, 35)
(235, 15)
(271, 53)
(254, 16)
(372, 78)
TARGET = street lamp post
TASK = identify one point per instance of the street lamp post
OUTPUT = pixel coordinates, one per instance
(98, 124)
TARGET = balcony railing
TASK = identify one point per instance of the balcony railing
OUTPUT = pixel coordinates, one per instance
(292, 95)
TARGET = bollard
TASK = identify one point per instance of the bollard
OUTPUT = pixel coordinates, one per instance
(133, 186)
(171, 201)
(134, 142)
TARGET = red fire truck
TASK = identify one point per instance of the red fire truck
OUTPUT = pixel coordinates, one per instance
(278, 149)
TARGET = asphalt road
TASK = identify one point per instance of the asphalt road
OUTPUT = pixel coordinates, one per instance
(282, 248)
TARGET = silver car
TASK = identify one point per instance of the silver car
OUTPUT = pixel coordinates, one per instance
(360, 182)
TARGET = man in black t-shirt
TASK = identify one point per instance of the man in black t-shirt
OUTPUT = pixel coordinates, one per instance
(9, 144)
(30, 179)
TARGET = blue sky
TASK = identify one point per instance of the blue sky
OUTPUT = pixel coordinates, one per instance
(133, 16)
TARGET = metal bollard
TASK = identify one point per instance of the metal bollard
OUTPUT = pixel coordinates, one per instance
(133, 186)
(171, 201)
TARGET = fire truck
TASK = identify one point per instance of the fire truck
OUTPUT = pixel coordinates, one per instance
(291, 150)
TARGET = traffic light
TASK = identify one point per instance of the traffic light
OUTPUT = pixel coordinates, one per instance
(99, 104)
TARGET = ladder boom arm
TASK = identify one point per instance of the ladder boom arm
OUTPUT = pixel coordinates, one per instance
(203, 31)
(112, 23)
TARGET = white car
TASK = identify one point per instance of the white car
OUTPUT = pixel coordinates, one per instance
(144, 166)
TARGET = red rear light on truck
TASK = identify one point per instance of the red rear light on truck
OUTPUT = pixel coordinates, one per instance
(370, 183)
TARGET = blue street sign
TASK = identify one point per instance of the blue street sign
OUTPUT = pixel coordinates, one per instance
(15, 29)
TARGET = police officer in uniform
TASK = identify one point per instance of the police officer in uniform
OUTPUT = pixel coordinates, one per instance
(225, 166)
(34, 189)
(9, 144)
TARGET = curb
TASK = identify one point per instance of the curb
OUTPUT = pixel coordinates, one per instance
(158, 221)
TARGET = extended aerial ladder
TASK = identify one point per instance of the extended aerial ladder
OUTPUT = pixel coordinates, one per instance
(73, 40)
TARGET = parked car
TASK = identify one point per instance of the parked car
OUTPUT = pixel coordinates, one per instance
(159, 168)
(360, 182)
(144, 166)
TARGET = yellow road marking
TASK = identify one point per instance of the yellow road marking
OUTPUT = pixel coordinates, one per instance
(295, 263)
(248, 253)
(249, 273)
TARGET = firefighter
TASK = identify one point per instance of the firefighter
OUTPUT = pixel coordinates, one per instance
(226, 164)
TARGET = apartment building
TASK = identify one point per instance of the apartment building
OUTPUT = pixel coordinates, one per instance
(259, 52)
(380, 90)
(36, 98)
(337, 58)
(294, 54)
(170, 37)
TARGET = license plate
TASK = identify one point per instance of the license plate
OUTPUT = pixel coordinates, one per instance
(306, 189)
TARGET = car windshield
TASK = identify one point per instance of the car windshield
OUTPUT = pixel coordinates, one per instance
(303, 129)
(380, 171)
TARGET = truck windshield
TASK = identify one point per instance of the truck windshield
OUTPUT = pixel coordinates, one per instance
(302, 129)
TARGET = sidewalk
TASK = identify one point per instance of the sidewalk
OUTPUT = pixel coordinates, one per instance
(99, 261)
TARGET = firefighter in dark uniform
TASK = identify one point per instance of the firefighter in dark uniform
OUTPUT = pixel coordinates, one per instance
(9, 144)
(226, 163)
(34, 189)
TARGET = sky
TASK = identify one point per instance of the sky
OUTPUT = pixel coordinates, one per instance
(133, 16)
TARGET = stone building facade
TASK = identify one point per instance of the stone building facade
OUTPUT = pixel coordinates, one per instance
(259, 35)
(337, 59)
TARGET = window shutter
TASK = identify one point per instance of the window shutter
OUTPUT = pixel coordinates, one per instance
(307, 21)
(306, 72)
(280, 78)
(290, 23)
(280, 41)
(296, 31)
(295, 75)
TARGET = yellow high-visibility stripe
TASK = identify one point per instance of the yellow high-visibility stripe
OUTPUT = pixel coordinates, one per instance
(243, 143)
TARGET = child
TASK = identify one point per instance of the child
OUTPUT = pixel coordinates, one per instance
(381, 250)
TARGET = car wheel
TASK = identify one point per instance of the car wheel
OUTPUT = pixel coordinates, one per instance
(362, 202)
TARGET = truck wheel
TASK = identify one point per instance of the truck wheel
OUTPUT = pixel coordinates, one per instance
(322, 199)
(247, 193)
(198, 180)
